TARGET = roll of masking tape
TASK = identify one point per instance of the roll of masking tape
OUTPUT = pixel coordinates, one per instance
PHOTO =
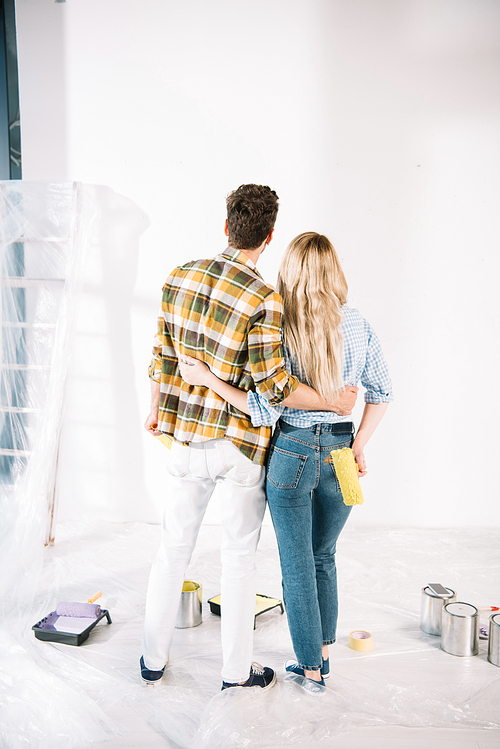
(360, 640)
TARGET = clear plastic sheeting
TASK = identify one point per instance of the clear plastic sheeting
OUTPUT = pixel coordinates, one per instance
(44, 229)
(79, 696)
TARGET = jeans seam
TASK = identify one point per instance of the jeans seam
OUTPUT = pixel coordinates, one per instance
(220, 449)
(317, 459)
(335, 478)
(325, 448)
(294, 439)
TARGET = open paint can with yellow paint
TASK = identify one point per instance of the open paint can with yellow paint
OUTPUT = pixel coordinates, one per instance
(189, 614)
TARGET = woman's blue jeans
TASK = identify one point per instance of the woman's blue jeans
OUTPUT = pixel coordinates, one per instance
(308, 513)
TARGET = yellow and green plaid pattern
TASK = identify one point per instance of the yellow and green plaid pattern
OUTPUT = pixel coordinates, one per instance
(222, 312)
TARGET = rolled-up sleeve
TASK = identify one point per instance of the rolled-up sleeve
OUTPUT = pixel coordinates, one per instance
(375, 377)
(265, 352)
(164, 354)
(262, 414)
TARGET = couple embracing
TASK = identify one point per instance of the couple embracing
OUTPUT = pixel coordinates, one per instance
(233, 357)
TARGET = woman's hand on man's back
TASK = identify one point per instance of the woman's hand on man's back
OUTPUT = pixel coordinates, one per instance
(345, 400)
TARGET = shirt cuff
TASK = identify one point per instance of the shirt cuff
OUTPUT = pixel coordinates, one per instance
(261, 412)
(376, 398)
(154, 374)
(282, 386)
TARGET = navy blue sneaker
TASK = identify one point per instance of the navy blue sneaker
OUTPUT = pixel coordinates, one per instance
(151, 677)
(260, 676)
(293, 668)
(325, 668)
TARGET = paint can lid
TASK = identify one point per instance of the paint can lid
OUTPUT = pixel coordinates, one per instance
(444, 596)
(457, 608)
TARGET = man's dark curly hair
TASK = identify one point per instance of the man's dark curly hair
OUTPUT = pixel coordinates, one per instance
(251, 214)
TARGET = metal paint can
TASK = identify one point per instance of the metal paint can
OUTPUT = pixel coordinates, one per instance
(432, 609)
(494, 640)
(460, 629)
(189, 613)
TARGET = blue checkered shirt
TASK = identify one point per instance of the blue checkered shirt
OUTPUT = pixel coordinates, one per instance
(363, 362)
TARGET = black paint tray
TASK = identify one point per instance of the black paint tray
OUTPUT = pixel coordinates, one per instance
(262, 604)
(52, 627)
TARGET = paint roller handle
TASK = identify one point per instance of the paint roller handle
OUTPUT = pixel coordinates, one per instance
(151, 424)
(359, 457)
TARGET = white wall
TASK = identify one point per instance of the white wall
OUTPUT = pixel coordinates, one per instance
(377, 123)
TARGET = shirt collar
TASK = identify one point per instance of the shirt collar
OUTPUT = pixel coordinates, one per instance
(231, 253)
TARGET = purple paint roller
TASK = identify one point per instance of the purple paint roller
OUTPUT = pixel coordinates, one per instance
(70, 608)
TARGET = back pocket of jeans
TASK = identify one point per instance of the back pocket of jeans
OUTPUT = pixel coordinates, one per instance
(285, 468)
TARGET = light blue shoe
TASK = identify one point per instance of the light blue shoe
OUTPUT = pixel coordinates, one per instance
(294, 668)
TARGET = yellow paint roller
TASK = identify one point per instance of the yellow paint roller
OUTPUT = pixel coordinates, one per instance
(165, 439)
(347, 474)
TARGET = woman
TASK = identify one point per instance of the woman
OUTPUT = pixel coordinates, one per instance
(327, 345)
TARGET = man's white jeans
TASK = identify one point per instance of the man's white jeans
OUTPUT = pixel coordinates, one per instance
(194, 472)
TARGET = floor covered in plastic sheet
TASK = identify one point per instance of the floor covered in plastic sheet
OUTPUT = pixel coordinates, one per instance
(405, 693)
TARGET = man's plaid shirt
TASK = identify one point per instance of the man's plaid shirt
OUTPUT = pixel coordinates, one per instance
(222, 312)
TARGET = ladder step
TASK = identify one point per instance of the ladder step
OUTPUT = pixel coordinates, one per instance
(6, 451)
(17, 367)
(36, 240)
(17, 410)
(45, 325)
(21, 282)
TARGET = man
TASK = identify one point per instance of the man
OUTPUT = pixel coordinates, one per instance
(220, 311)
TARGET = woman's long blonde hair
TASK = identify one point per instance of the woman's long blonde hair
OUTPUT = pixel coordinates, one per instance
(313, 288)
